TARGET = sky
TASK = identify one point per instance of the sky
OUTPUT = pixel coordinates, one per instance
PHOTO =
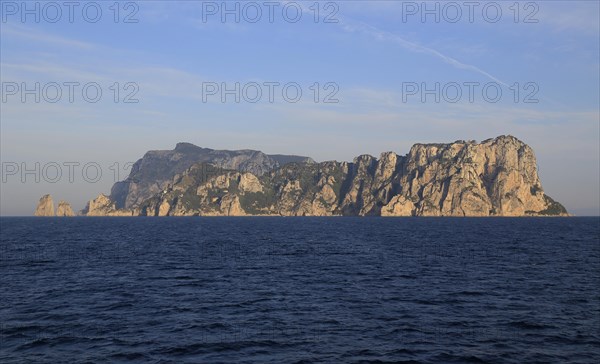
(88, 88)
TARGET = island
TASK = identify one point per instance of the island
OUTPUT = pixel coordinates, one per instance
(496, 177)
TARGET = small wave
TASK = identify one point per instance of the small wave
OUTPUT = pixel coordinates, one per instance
(208, 347)
(451, 358)
(130, 356)
(527, 325)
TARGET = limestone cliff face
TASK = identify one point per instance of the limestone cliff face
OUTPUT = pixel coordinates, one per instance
(497, 177)
(198, 191)
(103, 206)
(45, 207)
(64, 209)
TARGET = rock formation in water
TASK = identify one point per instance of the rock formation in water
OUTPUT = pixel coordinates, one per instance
(497, 177)
(45, 207)
(152, 173)
(64, 209)
(104, 206)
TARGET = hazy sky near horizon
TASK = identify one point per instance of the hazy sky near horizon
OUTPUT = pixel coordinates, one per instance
(530, 69)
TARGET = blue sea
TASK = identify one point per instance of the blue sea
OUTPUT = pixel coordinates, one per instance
(300, 290)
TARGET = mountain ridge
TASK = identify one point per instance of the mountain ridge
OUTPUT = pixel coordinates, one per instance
(156, 168)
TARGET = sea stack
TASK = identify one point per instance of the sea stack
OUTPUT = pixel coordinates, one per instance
(45, 207)
(64, 209)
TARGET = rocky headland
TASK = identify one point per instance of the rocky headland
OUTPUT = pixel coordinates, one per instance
(497, 177)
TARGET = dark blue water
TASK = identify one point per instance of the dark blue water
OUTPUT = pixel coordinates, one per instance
(290, 290)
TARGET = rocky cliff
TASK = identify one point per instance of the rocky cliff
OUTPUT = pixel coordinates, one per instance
(152, 173)
(45, 206)
(64, 209)
(104, 206)
(497, 177)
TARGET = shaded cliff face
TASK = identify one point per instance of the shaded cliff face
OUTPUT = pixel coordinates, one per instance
(152, 173)
(45, 206)
(497, 177)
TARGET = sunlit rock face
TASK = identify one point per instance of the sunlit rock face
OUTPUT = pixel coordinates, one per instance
(103, 206)
(64, 209)
(497, 177)
(45, 206)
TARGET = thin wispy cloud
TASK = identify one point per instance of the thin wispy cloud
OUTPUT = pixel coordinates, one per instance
(568, 17)
(34, 35)
(353, 26)
(381, 35)
(46, 70)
